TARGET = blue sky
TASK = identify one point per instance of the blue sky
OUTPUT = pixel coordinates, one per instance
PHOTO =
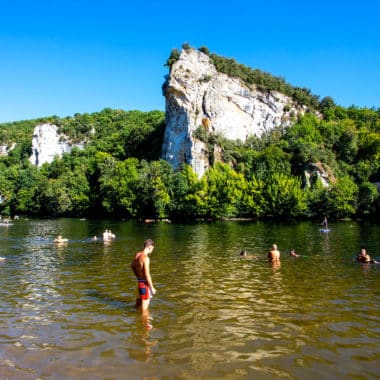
(62, 57)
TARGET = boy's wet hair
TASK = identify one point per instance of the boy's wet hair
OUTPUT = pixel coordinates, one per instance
(148, 242)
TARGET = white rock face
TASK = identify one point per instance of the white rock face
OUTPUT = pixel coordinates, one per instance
(196, 94)
(316, 170)
(5, 149)
(46, 144)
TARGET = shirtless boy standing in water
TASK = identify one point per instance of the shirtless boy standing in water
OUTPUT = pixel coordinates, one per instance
(274, 255)
(140, 267)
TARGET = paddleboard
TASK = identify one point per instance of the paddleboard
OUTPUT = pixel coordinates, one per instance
(325, 230)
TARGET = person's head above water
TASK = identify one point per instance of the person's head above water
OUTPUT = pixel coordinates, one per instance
(243, 252)
(148, 243)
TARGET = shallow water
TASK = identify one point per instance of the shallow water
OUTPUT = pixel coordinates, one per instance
(67, 312)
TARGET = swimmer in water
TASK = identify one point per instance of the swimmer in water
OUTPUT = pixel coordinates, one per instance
(364, 257)
(60, 239)
(244, 255)
(274, 255)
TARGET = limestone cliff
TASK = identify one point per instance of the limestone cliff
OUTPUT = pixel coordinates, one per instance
(5, 149)
(197, 94)
(47, 143)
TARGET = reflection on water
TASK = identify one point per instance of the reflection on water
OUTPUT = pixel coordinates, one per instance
(67, 311)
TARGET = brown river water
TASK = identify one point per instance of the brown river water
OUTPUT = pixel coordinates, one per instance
(67, 311)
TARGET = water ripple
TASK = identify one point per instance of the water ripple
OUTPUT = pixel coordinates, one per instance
(67, 312)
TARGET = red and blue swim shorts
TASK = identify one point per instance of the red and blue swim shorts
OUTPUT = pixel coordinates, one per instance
(144, 289)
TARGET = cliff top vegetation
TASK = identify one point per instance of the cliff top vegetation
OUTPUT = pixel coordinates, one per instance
(262, 80)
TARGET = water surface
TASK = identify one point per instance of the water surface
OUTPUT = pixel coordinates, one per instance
(67, 312)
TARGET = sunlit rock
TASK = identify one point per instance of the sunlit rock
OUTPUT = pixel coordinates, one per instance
(5, 149)
(47, 143)
(198, 95)
(316, 171)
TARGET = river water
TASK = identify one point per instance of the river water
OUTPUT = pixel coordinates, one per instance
(67, 311)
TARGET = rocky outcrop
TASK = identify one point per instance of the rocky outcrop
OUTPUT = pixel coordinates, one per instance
(314, 171)
(47, 143)
(5, 149)
(198, 95)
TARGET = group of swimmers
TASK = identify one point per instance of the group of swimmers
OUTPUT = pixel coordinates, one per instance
(108, 235)
(274, 254)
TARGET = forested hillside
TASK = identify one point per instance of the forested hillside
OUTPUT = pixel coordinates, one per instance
(119, 172)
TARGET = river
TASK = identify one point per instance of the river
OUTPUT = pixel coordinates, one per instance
(67, 311)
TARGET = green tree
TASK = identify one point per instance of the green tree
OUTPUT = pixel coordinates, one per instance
(24, 196)
(174, 56)
(272, 159)
(224, 191)
(65, 196)
(188, 195)
(284, 196)
(6, 190)
(316, 197)
(55, 199)
(304, 143)
(78, 189)
(153, 189)
(368, 196)
(346, 147)
(254, 202)
(118, 185)
(342, 198)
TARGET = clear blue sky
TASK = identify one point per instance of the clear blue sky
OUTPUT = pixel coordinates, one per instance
(61, 57)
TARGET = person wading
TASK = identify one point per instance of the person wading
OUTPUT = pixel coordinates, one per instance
(141, 268)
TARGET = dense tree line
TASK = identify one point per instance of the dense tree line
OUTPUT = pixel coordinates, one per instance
(119, 172)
